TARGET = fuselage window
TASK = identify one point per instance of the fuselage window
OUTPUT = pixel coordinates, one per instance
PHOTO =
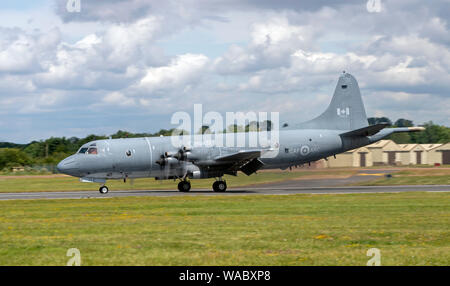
(83, 150)
(92, 151)
(344, 86)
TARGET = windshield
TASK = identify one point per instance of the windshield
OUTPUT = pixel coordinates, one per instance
(90, 149)
(82, 150)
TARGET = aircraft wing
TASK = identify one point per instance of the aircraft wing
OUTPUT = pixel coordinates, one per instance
(245, 160)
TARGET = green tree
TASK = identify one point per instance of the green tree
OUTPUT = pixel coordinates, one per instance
(400, 138)
(403, 123)
(432, 134)
(11, 157)
(378, 120)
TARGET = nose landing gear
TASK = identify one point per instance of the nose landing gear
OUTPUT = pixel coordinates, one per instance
(103, 189)
(184, 186)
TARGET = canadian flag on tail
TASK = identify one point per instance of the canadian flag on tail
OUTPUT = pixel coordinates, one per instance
(343, 112)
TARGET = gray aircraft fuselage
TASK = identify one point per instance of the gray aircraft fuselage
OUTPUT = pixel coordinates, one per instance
(342, 126)
(135, 157)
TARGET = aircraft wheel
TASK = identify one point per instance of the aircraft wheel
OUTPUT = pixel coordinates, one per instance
(220, 186)
(184, 186)
(103, 190)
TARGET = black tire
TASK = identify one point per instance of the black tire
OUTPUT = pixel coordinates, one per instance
(219, 186)
(184, 186)
(103, 190)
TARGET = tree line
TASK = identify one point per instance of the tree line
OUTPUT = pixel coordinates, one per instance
(52, 150)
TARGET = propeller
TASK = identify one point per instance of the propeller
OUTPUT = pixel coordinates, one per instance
(165, 162)
(183, 154)
(172, 159)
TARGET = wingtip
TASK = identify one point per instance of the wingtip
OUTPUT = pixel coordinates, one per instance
(416, 129)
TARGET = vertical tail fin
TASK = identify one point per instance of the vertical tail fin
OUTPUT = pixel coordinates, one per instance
(346, 110)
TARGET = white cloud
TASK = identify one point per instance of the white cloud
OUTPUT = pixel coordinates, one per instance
(115, 57)
(24, 53)
(271, 44)
(117, 98)
(183, 70)
(133, 57)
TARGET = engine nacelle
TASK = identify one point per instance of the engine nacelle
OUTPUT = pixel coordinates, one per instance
(196, 175)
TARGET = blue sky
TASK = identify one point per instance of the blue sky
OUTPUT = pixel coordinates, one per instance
(23, 5)
(131, 64)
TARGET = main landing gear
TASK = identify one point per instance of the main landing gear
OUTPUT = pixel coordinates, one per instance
(103, 189)
(184, 186)
(219, 186)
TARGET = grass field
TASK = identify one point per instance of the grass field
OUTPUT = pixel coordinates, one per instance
(408, 228)
(66, 183)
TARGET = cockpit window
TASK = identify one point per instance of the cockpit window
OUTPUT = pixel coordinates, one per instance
(92, 150)
(82, 150)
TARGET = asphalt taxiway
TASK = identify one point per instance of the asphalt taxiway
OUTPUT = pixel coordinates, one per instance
(289, 187)
(237, 191)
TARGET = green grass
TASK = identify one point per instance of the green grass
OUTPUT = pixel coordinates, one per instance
(40, 183)
(408, 228)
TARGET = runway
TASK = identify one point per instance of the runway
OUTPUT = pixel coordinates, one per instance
(288, 187)
(283, 188)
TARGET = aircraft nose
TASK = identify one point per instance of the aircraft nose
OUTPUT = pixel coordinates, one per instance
(68, 166)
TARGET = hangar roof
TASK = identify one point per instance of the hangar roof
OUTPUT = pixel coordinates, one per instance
(410, 147)
(379, 144)
(428, 147)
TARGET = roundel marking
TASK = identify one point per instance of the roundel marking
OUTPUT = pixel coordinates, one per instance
(304, 150)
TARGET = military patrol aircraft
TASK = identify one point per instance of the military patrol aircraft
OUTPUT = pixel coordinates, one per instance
(343, 126)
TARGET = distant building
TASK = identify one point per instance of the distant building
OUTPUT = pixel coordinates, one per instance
(429, 148)
(412, 154)
(385, 152)
(438, 154)
(360, 157)
(18, 169)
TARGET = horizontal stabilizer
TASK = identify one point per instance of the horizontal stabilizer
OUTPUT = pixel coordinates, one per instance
(388, 131)
(365, 131)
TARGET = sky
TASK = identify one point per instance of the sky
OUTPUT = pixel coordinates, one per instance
(130, 65)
